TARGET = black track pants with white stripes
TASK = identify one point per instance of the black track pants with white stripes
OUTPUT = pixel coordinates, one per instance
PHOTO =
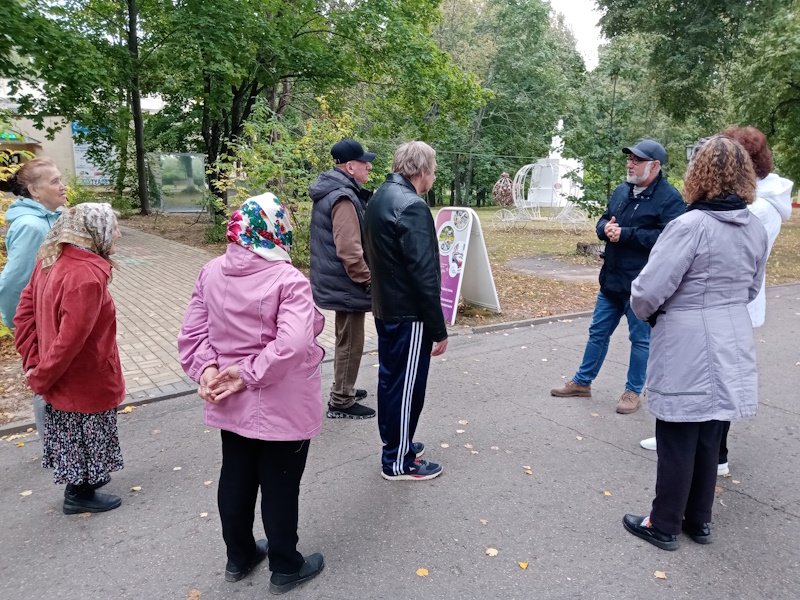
(404, 353)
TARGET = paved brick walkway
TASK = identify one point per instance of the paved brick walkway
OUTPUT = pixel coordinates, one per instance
(151, 290)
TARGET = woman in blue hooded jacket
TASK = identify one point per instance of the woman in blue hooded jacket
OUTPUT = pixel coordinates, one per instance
(40, 191)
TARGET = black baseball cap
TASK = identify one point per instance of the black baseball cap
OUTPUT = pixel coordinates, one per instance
(349, 149)
(648, 150)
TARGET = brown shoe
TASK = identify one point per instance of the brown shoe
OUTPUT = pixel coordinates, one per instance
(628, 403)
(571, 389)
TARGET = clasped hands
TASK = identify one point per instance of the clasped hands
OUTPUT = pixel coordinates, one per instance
(612, 230)
(216, 385)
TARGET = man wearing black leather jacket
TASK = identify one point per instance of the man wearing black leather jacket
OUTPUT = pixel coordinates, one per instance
(401, 247)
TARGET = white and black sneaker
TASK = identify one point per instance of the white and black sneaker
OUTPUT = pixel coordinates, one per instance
(418, 471)
(356, 411)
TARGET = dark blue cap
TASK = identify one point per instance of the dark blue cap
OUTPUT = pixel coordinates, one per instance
(349, 149)
(648, 150)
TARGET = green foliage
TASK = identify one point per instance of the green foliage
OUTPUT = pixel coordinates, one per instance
(78, 193)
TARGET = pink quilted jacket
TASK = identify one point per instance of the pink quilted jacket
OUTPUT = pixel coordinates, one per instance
(259, 314)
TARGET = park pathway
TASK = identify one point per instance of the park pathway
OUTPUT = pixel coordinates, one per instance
(151, 290)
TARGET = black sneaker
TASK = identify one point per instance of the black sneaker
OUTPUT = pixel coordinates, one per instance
(234, 573)
(649, 532)
(83, 501)
(418, 447)
(280, 583)
(418, 471)
(353, 412)
(361, 394)
(699, 532)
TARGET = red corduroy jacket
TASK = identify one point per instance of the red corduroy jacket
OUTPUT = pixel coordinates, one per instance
(66, 331)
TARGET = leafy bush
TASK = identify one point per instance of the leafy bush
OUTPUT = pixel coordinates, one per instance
(77, 193)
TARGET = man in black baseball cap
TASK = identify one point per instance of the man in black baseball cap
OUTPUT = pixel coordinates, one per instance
(648, 150)
(340, 277)
(637, 213)
(349, 149)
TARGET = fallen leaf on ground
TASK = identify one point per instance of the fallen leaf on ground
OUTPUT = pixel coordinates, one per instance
(726, 475)
(204, 514)
(194, 595)
(20, 444)
(207, 431)
(523, 565)
(136, 488)
(661, 574)
(529, 472)
(495, 448)
(460, 430)
(463, 422)
(209, 482)
(606, 493)
(445, 445)
(156, 431)
(718, 490)
(474, 452)
(577, 437)
(128, 409)
(26, 493)
(523, 347)
(29, 430)
(467, 445)
(526, 467)
(484, 522)
(595, 415)
(723, 504)
(544, 360)
(491, 552)
(85, 515)
(735, 481)
(422, 572)
(374, 353)
(176, 468)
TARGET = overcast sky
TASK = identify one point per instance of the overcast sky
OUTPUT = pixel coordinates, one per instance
(582, 17)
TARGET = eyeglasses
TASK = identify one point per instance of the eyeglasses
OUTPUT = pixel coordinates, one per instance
(636, 160)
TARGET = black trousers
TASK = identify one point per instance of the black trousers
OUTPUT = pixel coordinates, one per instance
(723, 444)
(277, 468)
(404, 353)
(687, 473)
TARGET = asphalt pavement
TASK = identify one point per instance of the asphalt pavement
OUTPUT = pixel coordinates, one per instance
(562, 521)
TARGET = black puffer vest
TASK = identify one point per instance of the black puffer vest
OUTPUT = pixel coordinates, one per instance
(332, 287)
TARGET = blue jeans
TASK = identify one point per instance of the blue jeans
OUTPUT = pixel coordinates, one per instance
(607, 314)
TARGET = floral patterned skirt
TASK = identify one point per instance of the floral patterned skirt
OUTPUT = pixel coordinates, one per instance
(81, 448)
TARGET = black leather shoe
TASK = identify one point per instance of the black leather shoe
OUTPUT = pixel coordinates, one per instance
(75, 503)
(280, 583)
(99, 484)
(699, 532)
(361, 394)
(234, 573)
(665, 541)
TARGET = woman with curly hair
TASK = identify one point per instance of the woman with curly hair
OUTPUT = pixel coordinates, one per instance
(249, 339)
(707, 265)
(773, 204)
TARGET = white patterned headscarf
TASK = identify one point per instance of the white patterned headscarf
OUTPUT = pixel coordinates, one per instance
(262, 225)
(90, 225)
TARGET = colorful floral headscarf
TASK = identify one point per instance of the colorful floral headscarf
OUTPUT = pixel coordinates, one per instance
(90, 225)
(262, 225)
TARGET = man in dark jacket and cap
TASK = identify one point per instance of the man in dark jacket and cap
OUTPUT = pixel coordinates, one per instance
(636, 214)
(340, 277)
(401, 244)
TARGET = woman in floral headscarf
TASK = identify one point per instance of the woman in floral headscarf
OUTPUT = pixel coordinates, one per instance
(249, 339)
(66, 335)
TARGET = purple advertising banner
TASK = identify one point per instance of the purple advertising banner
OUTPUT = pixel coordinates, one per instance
(453, 227)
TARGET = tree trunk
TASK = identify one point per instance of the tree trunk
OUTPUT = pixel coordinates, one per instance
(456, 197)
(122, 160)
(432, 198)
(480, 198)
(611, 141)
(136, 106)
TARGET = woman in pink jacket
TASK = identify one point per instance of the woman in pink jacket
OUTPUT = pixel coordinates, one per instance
(248, 338)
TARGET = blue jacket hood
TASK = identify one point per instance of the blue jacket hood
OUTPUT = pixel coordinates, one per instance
(26, 206)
